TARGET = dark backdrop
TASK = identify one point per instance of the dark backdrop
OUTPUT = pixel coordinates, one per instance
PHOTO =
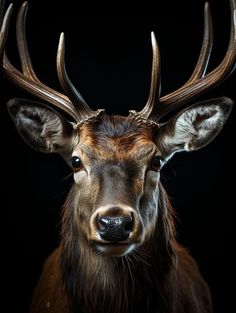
(109, 59)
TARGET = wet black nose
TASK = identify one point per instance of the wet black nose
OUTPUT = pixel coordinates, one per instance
(115, 228)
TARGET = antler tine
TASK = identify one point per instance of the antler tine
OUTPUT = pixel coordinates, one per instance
(199, 83)
(206, 48)
(4, 25)
(26, 64)
(25, 59)
(1, 12)
(70, 90)
(155, 87)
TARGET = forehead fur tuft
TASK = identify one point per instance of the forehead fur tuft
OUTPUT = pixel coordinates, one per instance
(116, 134)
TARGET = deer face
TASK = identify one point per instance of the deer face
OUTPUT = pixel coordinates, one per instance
(116, 160)
(117, 182)
(116, 163)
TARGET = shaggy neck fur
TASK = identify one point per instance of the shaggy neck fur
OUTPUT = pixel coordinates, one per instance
(143, 281)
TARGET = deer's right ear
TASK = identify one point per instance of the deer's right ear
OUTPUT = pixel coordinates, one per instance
(43, 129)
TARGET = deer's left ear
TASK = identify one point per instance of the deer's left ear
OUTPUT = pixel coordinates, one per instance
(194, 127)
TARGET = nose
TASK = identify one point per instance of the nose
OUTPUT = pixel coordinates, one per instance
(115, 228)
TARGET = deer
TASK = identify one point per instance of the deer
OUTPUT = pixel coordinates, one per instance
(118, 250)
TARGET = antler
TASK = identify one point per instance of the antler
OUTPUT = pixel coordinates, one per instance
(156, 106)
(73, 104)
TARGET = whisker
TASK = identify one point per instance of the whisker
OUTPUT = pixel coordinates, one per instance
(65, 178)
(128, 261)
(141, 256)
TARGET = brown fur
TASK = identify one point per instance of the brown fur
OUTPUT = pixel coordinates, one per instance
(159, 276)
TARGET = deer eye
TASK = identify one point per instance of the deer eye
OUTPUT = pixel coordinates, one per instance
(76, 162)
(157, 163)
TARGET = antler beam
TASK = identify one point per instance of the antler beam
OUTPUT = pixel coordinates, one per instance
(156, 106)
(73, 104)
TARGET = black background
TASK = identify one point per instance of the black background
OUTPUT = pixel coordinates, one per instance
(109, 60)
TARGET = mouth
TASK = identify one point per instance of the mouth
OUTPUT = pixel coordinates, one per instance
(114, 248)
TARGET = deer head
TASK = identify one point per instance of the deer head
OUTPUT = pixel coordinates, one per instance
(117, 160)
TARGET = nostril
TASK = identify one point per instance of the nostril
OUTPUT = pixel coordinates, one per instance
(128, 226)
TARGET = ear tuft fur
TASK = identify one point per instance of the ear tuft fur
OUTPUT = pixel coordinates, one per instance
(194, 127)
(42, 128)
